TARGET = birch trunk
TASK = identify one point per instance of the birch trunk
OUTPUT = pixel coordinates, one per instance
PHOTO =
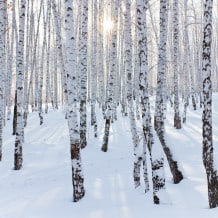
(83, 73)
(77, 174)
(161, 93)
(47, 78)
(14, 26)
(93, 79)
(177, 119)
(207, 131)
(157, 161)
(129, 75)
(111, 76)
(2, 33)
(18, 155)
(100, 54)
(40, 111)
(59, 45)
(10, 50)
(55, 82)
(186, 61)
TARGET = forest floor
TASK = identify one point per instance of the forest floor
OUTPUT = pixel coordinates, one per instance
(43, 189)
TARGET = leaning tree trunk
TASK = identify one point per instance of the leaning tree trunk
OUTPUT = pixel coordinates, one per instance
(208, 159)
(161, 94)
(77, 175)
(157, 160)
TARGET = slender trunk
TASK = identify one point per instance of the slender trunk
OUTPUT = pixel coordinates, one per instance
(18, 155)
(161, 94)
(77, 175)
(186, 61)
(129, 75)
(83, 73)
(157, 160)
(145, 165)
(28, 60)
(111, 77)
(2, 33)
(55, 82)
(45, 18)
(59, 45)
(10, 50)
(104, 147)
(15, 114)
(177, 119)
(94, 83)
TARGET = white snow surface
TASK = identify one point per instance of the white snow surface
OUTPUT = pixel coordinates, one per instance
(43, 188)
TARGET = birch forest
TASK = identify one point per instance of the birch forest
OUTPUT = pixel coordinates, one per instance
(99, 62)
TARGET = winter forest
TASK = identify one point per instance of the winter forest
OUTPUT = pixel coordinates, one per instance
(108, 108)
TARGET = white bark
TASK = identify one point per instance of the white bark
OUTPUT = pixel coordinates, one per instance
(77, 175)
(10, 50)
(100, 55)
(83, 73)
(2, 33)
(161, 93)
(59, 45)
(157, 161)
(111, 77)
(18, 156)
(177, 119)
(45, 19)
(94, 84)
(207, 131)
(186, 61)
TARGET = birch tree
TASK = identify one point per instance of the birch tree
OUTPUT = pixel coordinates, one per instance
(207, 131)
(55, 81)
(160, 101)
(77, 175)
(100, 52)
(157, 160)
(177, 118)
(186, 61)
(10, 53)
(93, 73)
(111, 76)
(45, 19)
(48, 53)
(83, 73)
(2, 33)
(59, 45)
(28, 57)
(18, 156)
(129, 75)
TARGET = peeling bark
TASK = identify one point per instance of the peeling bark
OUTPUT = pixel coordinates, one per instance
(207, 130)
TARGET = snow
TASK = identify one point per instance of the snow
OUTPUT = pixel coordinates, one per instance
(43, 189)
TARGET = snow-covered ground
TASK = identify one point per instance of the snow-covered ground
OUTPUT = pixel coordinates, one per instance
(42, 188)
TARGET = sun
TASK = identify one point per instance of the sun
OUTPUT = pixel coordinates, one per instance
(108, 24)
